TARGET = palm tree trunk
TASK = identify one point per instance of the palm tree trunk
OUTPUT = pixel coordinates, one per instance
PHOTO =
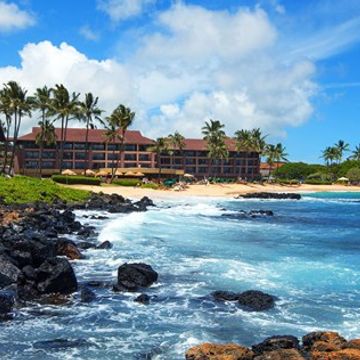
(87, 147)
(61, 155)
(16, 130)
(40, 160)
(6, 147)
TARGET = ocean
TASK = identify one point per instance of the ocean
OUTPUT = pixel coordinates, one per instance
(307, 255)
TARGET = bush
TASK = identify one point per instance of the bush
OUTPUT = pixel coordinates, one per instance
(289, 182)
(298, 170)
(127, 182)
(72, 180)
(150, 186)
(22, 189)
(318, 182)
(320, 176)
(354, 174)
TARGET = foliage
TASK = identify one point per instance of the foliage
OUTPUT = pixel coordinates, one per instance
(73, 180)
(127, 182)
(317, 182)
(150, 186)
(250, 140)
(288, 181)
(298, 170)
(21, 189)
(354, 174)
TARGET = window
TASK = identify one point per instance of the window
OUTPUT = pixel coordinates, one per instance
(80, 165)
(99, 165)
(112, 156)
(80, 155)
(48, 164)
(98, 156)
(190, 161)
(145, 165)
(130, 147)
(67, 164)
(203, 161)
(228, 170)
(49, 155)
(67, 155)
(201, 153)
(130, 157)
(144, 147)
(178, 161)
(239, 162)
(29, 144)
(68, 146)
(79, 146)
(31, 164)
(250, 162)
(165, 161)
(144, 157)
(190, 153)
(250, 171)
(190, 170)
(203, 170)
(128, 165)
(32, 154)
(97, 146)
(112, 147)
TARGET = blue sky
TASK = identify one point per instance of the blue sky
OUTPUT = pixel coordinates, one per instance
(290, 67)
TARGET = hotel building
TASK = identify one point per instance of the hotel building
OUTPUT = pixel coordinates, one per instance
(193, 159)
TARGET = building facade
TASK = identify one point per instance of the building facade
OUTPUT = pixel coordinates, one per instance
(193, 159)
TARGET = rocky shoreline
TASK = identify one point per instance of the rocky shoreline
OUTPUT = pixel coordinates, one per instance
(313, 346)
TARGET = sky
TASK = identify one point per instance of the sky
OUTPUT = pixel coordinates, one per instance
(290, 67)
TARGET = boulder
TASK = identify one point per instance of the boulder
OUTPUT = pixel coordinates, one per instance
(87, 295)
(8, 270)
(271, 195)
(221, 295)
(143, 299)
(56, 275)
(254, 300)
(276, 343)
(131, 277)
(209, 351)
(330, 337)
(7, 302)
(345, 354)
(68, 248)
(60, 344)
(352, 344)
(105, 245)
(281, 354)
(4, 281)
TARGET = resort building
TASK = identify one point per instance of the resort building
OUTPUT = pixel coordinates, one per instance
(193, 159)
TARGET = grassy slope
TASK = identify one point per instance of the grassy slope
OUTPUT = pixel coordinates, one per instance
(21, 189)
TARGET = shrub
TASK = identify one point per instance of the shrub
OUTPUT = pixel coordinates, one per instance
(354, 174)
(72, 180)
(298, 170)
(320, 176)
(289, 181)
(22, 189)
(127, 182)
(150, 186)
(317, 182)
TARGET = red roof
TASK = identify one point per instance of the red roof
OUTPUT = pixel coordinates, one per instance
(95, 136)
(201, 145)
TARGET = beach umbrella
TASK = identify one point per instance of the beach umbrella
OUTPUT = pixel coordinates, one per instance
(130, 173)
(188, 175)
(89, 172)
(102, 173)
(68, 172)
(343, 179)
(139, 174)
(118, 172)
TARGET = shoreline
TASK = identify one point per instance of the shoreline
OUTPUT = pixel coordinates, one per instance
(213, 190)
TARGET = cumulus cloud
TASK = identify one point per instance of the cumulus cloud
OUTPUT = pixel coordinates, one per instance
(13, 18)
(225, 65)
(123, 9)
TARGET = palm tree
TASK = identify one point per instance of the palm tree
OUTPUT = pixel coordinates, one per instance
(122, 118)
(111, 136)
(341, 147)
(258, 141)
(275, 154)
(356, 153)
(45, 137)
(215, 136)
(177, 142)
(160, 146)
(19, 105)
(243, 140)
(330, 154)
(41, 101)
(5, 109)
(90, 112)
(65, 106)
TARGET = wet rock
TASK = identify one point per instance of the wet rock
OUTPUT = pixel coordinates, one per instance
(281, 354)
(276, 343)
(99, 217)
(7, 302)
(105, 245)
(56, 275)
(134, 276)
(4, 281)
(85, 245)
(224, 295)
(270, 195)
(254, 300)
(8, 269)
(352, 344)
(60, 344)
(87, 295)
(86, 231)
(68, 248)
(345, 354)
(329, 337)
(219, 352)
(143, 299)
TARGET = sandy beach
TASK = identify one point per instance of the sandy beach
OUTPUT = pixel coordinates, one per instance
(213, 190)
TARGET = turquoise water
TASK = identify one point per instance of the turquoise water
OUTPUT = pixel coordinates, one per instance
(307, 254)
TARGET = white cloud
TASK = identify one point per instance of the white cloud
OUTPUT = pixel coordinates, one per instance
(12, 18)
(122, 9)
(223, 65)
(88, 33)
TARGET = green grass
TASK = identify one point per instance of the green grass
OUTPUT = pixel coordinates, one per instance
(127, 182)
(21, 189)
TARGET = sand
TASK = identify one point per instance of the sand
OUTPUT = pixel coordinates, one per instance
(213, 190)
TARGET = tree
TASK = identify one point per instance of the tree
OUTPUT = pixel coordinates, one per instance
(356, 153)
(66, 108)
(45, 137)
(341, 147)
(177, 142)
(121, 118)
(354, 175)
(215, 136)
(160, 146)
(90, 112)
(275, 154)
(19, 105)
(330, 154)
(111, 136)
(5, 109)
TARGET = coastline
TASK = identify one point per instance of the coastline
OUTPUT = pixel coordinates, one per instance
(213, 190)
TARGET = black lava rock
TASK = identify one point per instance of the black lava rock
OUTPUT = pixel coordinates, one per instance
(276, 343)
(143, 299)
(254, 300)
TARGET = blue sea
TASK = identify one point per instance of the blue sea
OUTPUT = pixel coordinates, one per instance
(307, 254)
